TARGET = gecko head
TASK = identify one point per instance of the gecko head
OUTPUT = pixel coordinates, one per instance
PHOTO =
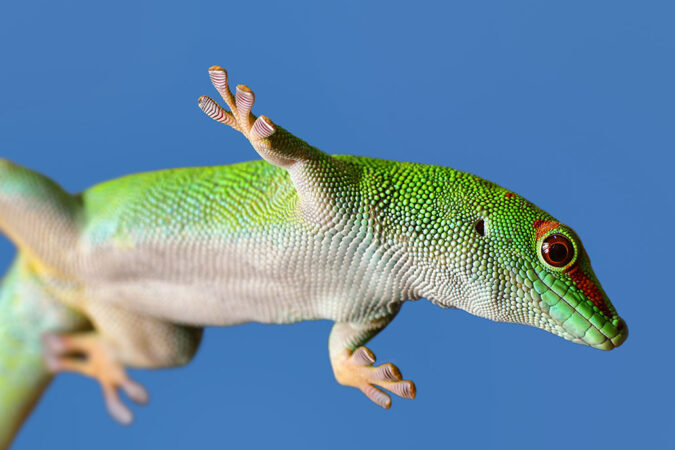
(518, 264)
(554, 275)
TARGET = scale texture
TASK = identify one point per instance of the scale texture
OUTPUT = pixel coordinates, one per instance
(128, 272)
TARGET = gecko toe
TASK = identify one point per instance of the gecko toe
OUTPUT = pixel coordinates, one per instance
(403, 388)
(87, 354)
(116, 407)
(377, 396)
(362, 356)
(387, 372)
(135, 391)
(53, 344)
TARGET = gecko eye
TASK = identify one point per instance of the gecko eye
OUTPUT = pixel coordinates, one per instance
(557, 250)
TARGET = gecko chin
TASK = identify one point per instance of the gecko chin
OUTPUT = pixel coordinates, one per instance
(622, 333)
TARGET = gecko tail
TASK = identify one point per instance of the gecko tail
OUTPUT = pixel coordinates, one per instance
(38, 216)
(41, 219)
(27, 311)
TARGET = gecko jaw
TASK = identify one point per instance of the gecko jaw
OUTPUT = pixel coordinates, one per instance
(574, 320)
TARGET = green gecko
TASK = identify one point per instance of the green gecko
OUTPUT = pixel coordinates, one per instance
(128, 272)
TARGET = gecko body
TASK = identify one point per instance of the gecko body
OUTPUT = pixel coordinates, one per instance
(144, 262)
(245, 254)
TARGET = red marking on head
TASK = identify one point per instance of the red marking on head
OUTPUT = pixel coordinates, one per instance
(589, 288)
(542, 226)
(509, 195)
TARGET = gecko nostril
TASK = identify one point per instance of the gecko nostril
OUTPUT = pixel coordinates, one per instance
(621, 325)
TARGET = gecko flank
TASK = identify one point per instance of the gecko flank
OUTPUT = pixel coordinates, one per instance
(146, 261)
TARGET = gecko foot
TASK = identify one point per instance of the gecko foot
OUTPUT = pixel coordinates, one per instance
(239, 117)
(356, 369)
(87, 354)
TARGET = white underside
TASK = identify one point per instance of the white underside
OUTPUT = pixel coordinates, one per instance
(263, 279)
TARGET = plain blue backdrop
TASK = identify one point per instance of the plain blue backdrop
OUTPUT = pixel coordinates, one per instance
(570, 104)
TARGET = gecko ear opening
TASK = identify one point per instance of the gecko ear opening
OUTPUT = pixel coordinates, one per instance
(479, 226)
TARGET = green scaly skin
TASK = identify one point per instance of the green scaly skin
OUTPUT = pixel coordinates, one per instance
(151, 258)
(26, 313)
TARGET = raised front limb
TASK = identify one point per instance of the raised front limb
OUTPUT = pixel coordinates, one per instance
(353, 364)
(272, 142)
(308, 166)
(121, 339)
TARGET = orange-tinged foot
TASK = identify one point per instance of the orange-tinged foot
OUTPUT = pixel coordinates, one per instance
(88, 354)
(356, 369)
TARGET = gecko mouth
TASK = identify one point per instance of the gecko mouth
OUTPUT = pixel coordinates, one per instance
(578, 319)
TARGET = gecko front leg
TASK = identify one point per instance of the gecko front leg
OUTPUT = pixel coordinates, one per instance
(308, 167)
(353, 364)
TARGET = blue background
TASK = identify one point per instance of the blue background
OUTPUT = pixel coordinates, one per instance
(570, 104)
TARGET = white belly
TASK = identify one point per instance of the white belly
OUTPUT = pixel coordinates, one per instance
(260, 278)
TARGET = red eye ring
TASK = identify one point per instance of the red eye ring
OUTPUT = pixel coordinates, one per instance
(557, 250)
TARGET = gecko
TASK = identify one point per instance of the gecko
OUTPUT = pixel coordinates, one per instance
(128, 272)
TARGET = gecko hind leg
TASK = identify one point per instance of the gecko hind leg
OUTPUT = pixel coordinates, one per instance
(88, 354)
(122, 338)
